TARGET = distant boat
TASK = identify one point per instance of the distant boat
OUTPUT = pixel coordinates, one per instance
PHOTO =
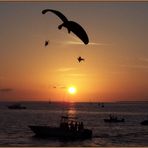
(49, 102)
(16, 106)
(68, 129)
(101, 104)
(114, 119)
(145, 122)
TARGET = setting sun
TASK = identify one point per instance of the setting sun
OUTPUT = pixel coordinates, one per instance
(72, 90)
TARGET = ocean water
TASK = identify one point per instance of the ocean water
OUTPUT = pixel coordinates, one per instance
(14, 130)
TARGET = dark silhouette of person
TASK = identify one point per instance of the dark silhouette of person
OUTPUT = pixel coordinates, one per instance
(80, 59)
(70, 25)
(72, 126)
(80, 126)
(76, 126)
(46, 43)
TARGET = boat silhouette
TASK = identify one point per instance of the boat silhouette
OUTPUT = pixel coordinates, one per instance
(145, 122)
(101, 105)
(16, 106)
(114, 119)
(69, 129)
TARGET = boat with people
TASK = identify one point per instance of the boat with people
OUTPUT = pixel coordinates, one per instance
(69, 128)
(114, 119)
(145, 122)
(16, 106)
(101, 104)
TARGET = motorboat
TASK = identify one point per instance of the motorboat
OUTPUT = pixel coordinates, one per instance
(16, 106)
(145, 122)
(68, 129)
(101, 105)
(114, 119)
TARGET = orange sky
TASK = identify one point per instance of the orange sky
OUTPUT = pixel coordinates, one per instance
(116, 58)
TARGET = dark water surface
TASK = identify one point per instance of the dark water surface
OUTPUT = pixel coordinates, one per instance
(14, 129)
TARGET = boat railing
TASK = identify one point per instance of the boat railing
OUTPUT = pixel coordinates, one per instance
(71, 124)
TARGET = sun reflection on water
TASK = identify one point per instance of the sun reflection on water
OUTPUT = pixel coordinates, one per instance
(72, 112)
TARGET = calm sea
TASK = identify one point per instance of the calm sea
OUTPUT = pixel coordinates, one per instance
(14, 129)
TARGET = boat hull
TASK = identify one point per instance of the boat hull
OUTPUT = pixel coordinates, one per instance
(114, 121)
(145, 122)
(57, 132)
(11, 107)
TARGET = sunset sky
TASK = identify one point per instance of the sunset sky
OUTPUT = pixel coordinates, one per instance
(116, 58)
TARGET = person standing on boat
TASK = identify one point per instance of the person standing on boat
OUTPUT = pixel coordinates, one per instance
(76, 126)
(72, 125)
(81, 125)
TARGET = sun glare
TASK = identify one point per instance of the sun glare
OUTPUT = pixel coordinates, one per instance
(72, 90)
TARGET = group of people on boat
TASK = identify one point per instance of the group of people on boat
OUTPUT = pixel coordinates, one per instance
(113, 118)
(69, 128)
(72, 125)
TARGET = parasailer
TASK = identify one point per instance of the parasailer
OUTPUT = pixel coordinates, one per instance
(46, 43)
(80, 59)
(70, 25)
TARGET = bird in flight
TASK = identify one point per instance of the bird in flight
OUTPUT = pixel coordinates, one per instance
(70, 25)
(80, 59)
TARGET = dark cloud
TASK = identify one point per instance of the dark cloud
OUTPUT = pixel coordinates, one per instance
(58, 86)
(6, 89)
(63, 87)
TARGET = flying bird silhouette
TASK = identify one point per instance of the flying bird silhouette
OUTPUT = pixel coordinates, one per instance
(70, 25)
(46, 43)
(80, 59)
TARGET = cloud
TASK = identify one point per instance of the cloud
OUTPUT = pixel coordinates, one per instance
(99, 44)
(136, 66)
(66, 69)
(77, 75)
(73, 43)
(6, 89)
(59, 87)
(143, 59)
(81, 43)
(142, 63)
(63, 87)
(2, 77)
